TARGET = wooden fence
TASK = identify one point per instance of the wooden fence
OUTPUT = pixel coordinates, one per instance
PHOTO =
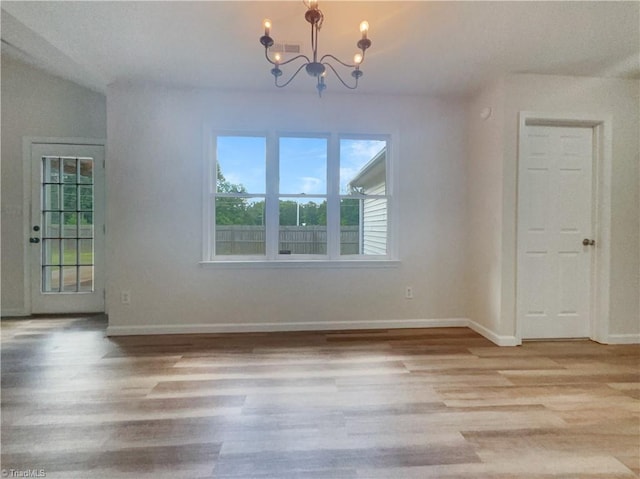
(250, 240)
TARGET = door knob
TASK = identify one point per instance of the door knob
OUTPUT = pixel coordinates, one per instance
(588, 242)
(34, 240)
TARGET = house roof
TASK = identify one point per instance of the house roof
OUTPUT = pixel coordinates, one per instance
(371, 172)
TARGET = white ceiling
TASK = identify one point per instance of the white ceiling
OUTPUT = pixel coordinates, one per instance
(441, 48)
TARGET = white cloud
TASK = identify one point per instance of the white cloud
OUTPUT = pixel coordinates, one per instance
(310, 185)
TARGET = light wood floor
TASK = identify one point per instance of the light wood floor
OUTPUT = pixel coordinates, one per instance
(434, 403)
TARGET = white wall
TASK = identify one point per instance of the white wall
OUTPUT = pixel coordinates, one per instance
(484, 221)
(154, 179)
(553, 94)
(34, 103)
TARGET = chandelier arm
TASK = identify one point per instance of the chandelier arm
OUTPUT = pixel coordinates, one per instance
(314, 41)
(290, 79)
(266, 55)
(328, 55)
(340, 78)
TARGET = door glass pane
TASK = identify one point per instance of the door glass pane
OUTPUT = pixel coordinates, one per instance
(69, 225)
(69, 170)
(51, 197)
(50, 252)
(86, 225)
(51, 226)
(86, 197)
(69, 251)
(51, 279)
(51, 170)
(86, 170)
(69, 278)
(70, 198)
(86, 278)
(86, 251)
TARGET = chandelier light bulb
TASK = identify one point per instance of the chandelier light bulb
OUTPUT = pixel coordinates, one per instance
(267, 26)
(277, 58)
(364, 28)
(313, 4)
(357, 58)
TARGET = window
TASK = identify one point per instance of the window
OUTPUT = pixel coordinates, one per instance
(297, 197)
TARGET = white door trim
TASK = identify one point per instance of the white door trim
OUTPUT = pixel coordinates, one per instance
(602, 159)
(27, 144)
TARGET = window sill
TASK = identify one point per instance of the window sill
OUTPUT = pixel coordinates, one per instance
(312, 264)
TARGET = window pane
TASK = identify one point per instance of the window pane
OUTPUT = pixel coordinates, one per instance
(350, 226)
(363, 167)
(241, 164)
(240, 226)
(303, 166)
(303, 226)
(374, 226)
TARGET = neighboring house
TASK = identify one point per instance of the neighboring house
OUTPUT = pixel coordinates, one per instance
(370, 180)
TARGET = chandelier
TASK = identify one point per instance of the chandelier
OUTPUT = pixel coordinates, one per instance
(315, 67)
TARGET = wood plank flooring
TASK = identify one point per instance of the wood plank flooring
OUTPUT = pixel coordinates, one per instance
(420, 403)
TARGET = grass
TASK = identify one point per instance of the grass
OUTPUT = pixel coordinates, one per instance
(70, 258)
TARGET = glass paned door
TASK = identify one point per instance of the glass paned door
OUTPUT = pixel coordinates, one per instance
(67, 231)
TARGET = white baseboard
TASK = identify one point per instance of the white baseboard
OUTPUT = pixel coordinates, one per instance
(280, 327)
(493, 337)
(623, 339)
(312, 326)
(13, 313)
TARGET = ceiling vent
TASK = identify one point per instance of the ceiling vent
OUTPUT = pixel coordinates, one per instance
(285, 47)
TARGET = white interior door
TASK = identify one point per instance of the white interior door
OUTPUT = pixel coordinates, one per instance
(67, 228)
(554, 220)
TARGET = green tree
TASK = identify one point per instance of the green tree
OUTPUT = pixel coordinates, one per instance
(350, 212)
(288, 213)
(229, 211)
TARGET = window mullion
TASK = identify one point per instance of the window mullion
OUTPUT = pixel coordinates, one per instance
(333, 198)
(271, 206)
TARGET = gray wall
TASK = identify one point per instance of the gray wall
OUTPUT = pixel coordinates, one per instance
(34, 103)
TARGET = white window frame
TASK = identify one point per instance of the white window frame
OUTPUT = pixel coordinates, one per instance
(333, 258)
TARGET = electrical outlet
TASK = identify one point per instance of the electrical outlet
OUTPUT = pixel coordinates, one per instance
(408, 294)
(125, 297)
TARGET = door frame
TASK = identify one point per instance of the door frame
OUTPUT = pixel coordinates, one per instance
(27, 143)
(601, 210)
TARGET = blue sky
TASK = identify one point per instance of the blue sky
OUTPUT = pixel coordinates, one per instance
(302, 162)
